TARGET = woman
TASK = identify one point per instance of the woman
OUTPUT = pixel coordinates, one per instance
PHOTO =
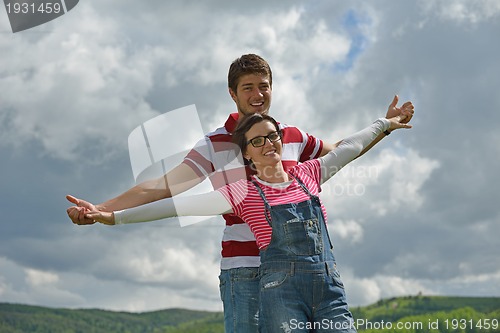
(301, 289)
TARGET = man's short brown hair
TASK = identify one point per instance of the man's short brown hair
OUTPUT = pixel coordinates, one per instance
(247, 64)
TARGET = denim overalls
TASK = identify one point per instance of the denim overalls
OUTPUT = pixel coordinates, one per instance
(300, 287)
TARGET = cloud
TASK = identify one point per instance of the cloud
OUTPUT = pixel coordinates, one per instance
(35, 286)
(37, 278)
(402, 178)
(391, 181)
(461, 11)
(81, 82)
(348, 230)
(370, 290)
(74, 87)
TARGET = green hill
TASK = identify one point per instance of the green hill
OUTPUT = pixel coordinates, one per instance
(15, 318)
(401, 314)
(430, 314)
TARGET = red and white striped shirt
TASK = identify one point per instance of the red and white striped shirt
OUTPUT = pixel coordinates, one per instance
(247, 203)
(214, 157)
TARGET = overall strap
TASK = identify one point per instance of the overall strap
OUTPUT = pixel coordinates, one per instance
(266, 204)
(304, 187)
(312, 196)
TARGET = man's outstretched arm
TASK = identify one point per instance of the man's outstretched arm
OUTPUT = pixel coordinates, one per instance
(179, 179)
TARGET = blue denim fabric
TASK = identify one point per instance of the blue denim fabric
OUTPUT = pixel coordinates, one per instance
(303, 298)
(300, 287)
(239, 290)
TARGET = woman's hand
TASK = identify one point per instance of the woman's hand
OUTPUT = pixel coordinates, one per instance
(399, 122)
(101, 217)
(407, 109)
(77, 213)
(399, 116)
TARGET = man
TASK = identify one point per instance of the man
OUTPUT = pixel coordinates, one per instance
(250, 87)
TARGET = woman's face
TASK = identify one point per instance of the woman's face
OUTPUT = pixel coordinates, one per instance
(270, 152)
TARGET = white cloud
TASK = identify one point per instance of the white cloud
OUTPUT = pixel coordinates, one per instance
(368, 290)
(489, 278)
(66, 91)
(463, 11)
(349, 230)
(401, 177)
(361, 291)
(181, 267)
(88, 89)
(36, 286)
(397, 286)
(386, 183)
(147, 268)
(36, 278)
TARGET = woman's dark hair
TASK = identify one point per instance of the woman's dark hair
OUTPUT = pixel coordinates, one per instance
(244, 126)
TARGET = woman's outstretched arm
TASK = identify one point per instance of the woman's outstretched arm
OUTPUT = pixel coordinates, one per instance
(350, 147)
(207, 204)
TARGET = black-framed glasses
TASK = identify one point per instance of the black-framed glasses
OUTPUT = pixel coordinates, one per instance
(259, 141)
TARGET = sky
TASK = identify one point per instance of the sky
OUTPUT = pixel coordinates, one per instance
(418, 213)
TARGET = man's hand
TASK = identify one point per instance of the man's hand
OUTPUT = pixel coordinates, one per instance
(77, 213)
(406, 110)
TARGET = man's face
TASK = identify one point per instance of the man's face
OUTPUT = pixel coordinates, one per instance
(253, 94)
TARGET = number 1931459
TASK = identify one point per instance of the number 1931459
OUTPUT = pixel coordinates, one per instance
(464, 324)
(32, 8)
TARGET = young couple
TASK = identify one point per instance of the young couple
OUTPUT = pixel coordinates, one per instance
(277, 209)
